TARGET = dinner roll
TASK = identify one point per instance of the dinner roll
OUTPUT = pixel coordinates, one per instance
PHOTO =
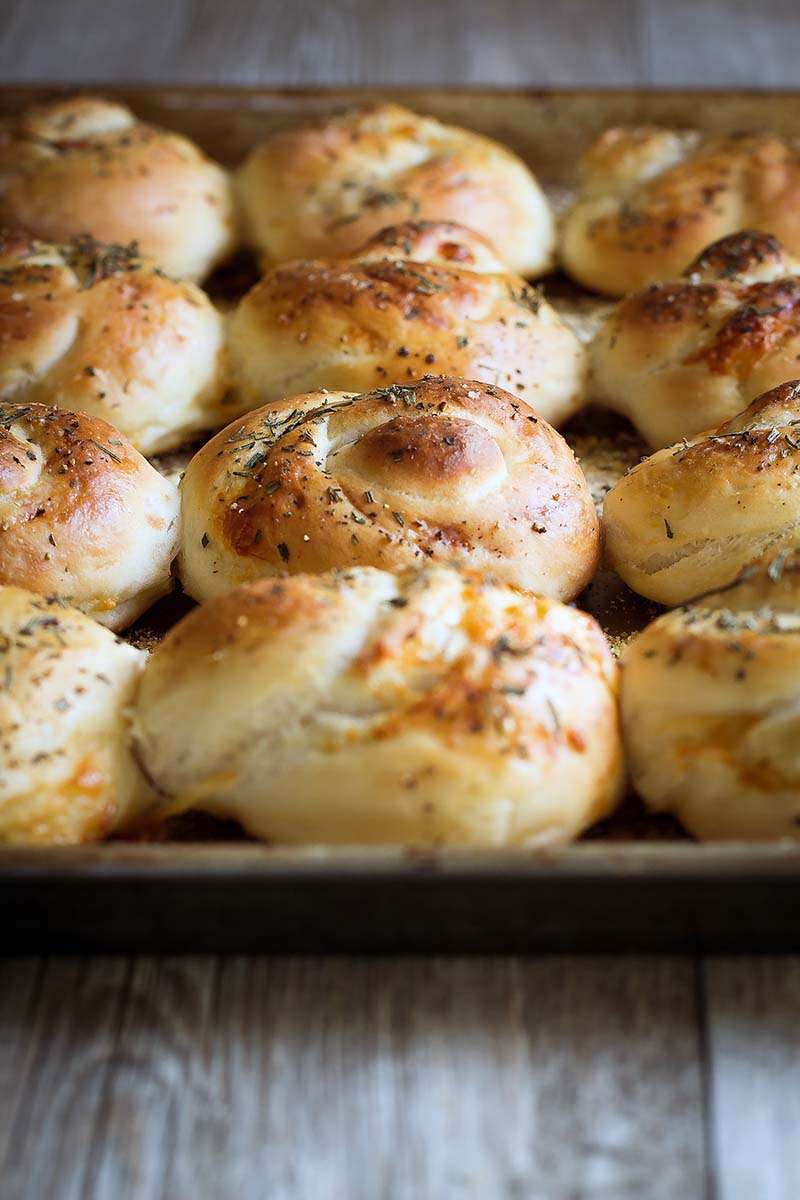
(419, 296)
(82, 514)
(651, 199)
(86, 165)
(720, 745)
(432, 707)
(442, 469)
(97, 329)
(66, 771)
(678, 358)
(687, 519)
(324, 188)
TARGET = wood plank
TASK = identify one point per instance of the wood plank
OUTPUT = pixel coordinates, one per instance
(406, 1079)
(62, 1033)
(86, 40)
(300, 41)
(754, 1058)
(720, 44)
(20, 992)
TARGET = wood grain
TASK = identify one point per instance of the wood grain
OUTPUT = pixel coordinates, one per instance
(719, 43)
(408, 1079)
(753, 1010)
(713, 43)
(297, 41)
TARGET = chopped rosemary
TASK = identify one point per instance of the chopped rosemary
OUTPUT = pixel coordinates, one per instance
(527, 297)
(115, 458)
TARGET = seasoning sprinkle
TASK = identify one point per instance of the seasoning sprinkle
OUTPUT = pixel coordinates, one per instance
(554, 715)
(9, 418)
(527, 297)
(775, 568)
(114, 457)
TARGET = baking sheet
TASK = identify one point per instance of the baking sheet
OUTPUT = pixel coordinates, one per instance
(634, 882)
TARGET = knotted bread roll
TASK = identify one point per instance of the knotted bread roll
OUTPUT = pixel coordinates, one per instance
(66, 771)
(711, 707)
(419, 297)
(87, 165)
(324, 188)
(651, 199)
(432, 708)
(678, 358)
(687, 519)
(82, 514)
(442, 469)
(97, 329)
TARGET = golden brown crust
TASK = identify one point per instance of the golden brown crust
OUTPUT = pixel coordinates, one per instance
(430, 707)
(82, 514)
(377, 318)
(768, 314)
(443, 469)
(95, 328)
(653, 198)
(746, 256)
(678, 358)
(87, 165)
(66, 772)
(325, 188)
(690, 517)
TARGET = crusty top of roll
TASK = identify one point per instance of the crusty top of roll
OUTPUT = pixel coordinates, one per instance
(82, 514)
(418, 298)
(719, 745)
(442, 243)
(98, 329)
(427, 707)
(324, 188)
(87, 165)
(681, 357)
(442, 469)
(652, 198)
(690, 517)
(66, 773)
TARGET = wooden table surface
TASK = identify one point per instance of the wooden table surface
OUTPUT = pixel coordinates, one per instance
(401, 1079)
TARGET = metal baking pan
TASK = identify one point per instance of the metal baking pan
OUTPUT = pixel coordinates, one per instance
(635, 883)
